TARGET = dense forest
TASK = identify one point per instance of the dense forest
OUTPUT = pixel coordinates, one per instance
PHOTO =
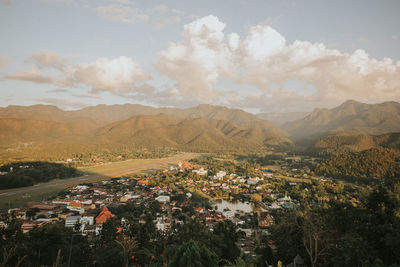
(29, 173)
(372, 163)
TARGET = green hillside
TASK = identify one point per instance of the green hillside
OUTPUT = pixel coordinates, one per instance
(353, 143)
(371, 163)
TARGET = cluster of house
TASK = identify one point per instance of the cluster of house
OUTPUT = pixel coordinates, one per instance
(84, 207)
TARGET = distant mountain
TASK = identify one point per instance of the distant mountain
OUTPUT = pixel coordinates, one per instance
(113, 113)
(201, 128)
(152, 131)
(278, 119)
(27, 130)
(354, 143)
(106, 114)
(350, 118)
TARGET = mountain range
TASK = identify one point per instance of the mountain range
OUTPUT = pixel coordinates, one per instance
(350, 118)
(204, 127)
(201, 128)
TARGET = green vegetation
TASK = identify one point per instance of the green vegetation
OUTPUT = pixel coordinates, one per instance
(193, 254)
(23, 174)
(337, 144)
(372, 163)
(342, 233)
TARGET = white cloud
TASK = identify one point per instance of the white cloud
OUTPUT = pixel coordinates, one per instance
(161, 22)
(33, 74)
(121, 13)
(124, 11)
(120, 76)
(263, 41)
(159, 9)
(48, 58)
(4, 60)
(198, 60)
(263, 59)
(281, 76)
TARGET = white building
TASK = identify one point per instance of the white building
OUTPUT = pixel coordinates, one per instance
(220, 174)
(201, 171)
(72, 220)
(87, 220)
(163, 199)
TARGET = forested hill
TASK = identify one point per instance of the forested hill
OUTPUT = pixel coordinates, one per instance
(337, 144)
(371, 163)
(351, 117)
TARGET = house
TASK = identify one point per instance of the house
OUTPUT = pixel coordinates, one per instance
(228, 214)
(27, 226)
(76, 206)
(58, 201)
(163, 199)
(200, 210)
(143, 182)
(87, 220)
(220, 175)
(104, 215)
(71, 221)
(200, 171)
(264, 219)
(253, 181)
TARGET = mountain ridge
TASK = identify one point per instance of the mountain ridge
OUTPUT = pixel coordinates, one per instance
(351, 116)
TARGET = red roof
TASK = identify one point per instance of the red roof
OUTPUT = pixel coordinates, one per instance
(104, 215)
(143, 182)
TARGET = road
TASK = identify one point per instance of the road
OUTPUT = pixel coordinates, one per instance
(157, 164)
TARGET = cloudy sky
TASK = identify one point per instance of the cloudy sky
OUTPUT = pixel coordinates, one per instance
(258, 55)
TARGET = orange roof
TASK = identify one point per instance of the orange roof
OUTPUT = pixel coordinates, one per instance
(104, 215)
(75, 204)
(143, 182)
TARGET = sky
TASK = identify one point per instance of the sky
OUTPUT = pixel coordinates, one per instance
(258, 55)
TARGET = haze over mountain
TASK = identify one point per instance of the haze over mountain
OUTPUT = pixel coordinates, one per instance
(204, 127)
(350, 118)
(278, 119)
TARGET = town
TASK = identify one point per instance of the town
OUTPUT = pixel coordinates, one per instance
(208, 190)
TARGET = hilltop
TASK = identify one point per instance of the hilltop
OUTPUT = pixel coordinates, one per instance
(350, 118)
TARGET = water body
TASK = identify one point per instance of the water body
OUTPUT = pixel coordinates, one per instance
(234, 206)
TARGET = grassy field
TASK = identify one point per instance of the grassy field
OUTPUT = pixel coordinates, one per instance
(16, 197)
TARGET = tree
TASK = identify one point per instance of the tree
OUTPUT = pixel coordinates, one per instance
(316, 237)
(256, 197)
(129, 246)
(194, 254)
(225, 238)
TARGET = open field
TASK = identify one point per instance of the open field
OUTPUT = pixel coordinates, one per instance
(18, 196)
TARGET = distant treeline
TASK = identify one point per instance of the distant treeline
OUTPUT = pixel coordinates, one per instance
(372, 163)
(22, 174)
